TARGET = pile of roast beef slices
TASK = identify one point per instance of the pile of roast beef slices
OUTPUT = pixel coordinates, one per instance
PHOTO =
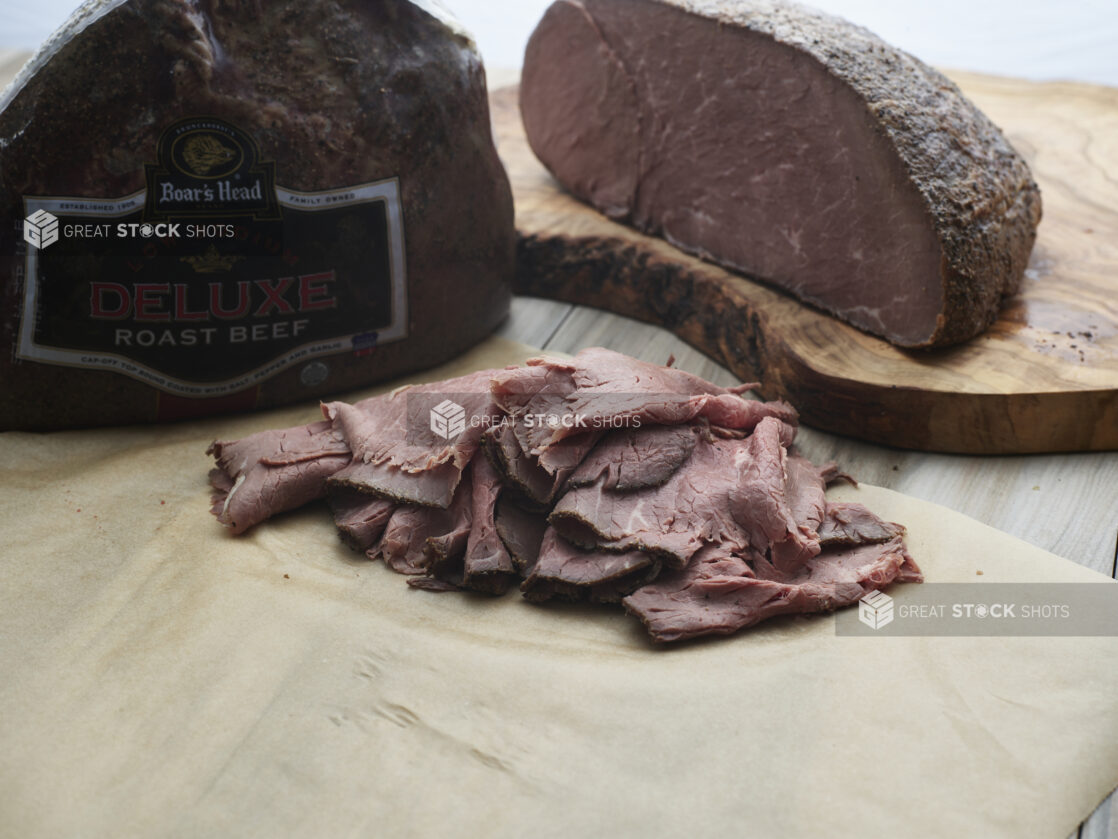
(599, 478)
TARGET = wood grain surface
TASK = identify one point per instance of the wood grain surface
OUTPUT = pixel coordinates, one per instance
(1044, 378)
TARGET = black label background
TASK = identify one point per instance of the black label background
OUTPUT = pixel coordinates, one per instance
(352, 241)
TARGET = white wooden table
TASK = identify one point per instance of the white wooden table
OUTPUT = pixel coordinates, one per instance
(1067, 504)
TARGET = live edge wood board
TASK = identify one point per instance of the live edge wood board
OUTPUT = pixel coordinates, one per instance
(1043, 378)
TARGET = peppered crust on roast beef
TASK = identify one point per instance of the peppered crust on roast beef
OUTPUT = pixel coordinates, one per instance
(335, 93)
(792, 146)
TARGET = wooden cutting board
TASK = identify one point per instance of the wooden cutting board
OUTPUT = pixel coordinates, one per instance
(1043, 378)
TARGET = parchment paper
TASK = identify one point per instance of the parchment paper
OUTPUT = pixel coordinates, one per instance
(161, 678)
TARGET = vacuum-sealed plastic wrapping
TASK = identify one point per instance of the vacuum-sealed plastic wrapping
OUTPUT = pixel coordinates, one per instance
(215, 206)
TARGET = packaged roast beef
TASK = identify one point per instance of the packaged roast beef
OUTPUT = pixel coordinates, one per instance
(215, 206)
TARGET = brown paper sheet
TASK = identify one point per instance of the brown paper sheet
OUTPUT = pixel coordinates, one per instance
(161, 678)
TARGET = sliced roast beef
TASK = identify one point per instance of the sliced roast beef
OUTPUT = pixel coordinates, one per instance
(792, 146)
(524, 473)
(671, 521)
(360, 518)
(561, 561)
(806, 491)
(273, 471)
(518, 470)
(482, 563)
(416, 536)
(412, 444)
(396, 427)
(832, 474)
(719, 593)
(567, 572)
(521, 532)
(432, 487)
(764, 496)
(804, 501)
(635, 458)
(487, 565)
(729, 492)
(848, 523)
(555, 398)
(684, 477)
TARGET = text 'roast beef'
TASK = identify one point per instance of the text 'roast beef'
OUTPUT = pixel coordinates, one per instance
(211, 206)
(789, 145)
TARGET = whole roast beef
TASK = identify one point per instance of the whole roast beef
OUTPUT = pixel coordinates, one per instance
(789, 145)
(357, 223)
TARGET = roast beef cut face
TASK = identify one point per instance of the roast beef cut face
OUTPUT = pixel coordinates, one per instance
(788, 145)
(342, 215)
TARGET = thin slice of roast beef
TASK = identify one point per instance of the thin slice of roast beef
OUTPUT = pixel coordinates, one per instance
(400, 449)
(719, 593)
(360, 518)
(672, 521)
(521, 532)
(484, 564)
(417, 536)
(729, 492)
(563, 561)
(849, 523)
(635, 458)
(568, 572)
(524, 473)
(765, 496)
(487, 565)
(554, 398)
(273, 471)
(433, 487)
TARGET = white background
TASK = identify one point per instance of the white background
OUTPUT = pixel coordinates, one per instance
(1037, 39)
